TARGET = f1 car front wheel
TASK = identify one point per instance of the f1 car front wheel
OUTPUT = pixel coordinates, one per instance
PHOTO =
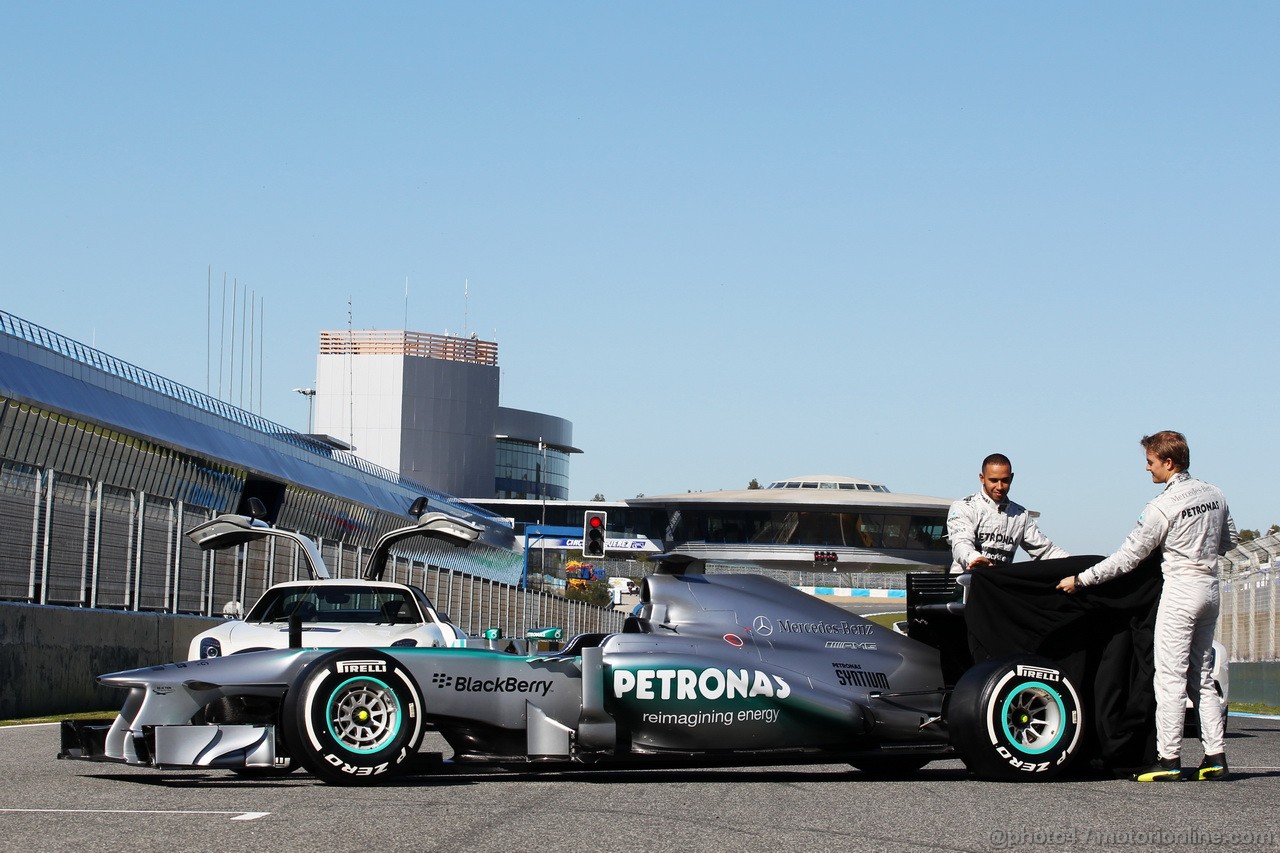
(353, 717)
(1015, 719)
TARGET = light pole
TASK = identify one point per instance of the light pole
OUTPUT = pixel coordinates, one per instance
(542, 486)
(542, 492)
(310, 394)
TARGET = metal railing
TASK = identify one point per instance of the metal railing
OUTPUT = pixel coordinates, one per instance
(1248, 594)
(423, 344)
(70, 541)
(792, 577)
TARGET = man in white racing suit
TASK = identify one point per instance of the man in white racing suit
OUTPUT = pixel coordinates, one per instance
(1190, 521)
(987, 528)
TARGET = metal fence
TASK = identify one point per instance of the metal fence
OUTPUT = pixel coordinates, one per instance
(793, 577)
(1247, 619)
(69, 541)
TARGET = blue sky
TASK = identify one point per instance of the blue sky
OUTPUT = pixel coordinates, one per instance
(871, 239)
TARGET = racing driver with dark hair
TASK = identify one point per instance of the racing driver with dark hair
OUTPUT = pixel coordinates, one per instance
(1190, 522)
(987, 528)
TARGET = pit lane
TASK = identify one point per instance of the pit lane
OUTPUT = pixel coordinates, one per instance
(46, 804)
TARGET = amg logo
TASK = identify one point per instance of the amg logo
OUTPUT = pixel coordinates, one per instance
(1039, 672)
(346, 666)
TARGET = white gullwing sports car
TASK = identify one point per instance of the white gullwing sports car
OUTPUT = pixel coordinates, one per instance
(331, 613)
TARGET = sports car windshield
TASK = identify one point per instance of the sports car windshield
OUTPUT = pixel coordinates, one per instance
(337, 603)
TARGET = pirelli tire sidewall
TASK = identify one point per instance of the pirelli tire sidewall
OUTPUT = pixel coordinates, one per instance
(1016, 719)
(354, 717)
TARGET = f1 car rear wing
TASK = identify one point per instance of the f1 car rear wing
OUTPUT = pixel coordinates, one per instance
(933, 593)
(935, 617)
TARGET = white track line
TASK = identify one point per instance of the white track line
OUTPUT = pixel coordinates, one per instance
(238, 815)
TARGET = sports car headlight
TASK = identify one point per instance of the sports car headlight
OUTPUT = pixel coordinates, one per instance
(210, 648)
(400, 644)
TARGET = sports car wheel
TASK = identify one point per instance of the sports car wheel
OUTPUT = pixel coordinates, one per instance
(1015, 719)
(353, 717)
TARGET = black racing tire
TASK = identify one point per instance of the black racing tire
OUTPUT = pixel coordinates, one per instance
(353, 717)
(1016, 719)
(891, 766)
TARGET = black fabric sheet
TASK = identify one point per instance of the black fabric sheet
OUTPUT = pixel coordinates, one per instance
(1102, 637)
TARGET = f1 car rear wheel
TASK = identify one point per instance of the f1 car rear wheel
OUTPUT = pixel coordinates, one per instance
(1015, 719)
(354, 717)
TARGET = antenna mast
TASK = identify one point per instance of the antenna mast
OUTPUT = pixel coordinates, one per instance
(351, 381)
(208, 328)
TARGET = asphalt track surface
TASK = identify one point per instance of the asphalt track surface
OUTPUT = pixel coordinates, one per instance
(51, 805)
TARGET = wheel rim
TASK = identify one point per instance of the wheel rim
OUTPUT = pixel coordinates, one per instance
(1033, 717)
(363, 714)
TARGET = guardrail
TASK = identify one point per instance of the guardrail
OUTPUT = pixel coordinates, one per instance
(72, 542)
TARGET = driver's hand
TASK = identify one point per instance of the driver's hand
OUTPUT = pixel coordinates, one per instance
(980, 561)
(1067, 585)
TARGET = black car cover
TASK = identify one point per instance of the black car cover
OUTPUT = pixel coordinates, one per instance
(1102, 637)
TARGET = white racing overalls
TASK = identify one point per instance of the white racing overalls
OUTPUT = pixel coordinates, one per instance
(1190, 521)
(979, 527)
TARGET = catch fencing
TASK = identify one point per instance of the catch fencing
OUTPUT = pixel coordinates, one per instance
(798, 578)
(1247, 620)
(66, 540)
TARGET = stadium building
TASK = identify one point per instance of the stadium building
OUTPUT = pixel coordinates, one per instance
(427, 406)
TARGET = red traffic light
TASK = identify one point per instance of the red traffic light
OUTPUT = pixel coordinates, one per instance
(594, 524)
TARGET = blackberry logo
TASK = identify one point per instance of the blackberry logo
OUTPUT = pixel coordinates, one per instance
(441, 680)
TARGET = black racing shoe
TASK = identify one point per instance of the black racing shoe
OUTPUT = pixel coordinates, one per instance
(1164, 770)
(1213, 767)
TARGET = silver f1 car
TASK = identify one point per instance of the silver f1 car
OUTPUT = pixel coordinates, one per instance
(716, 669)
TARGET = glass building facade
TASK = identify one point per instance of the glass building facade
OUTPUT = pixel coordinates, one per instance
(818, 527)
(531, 471)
